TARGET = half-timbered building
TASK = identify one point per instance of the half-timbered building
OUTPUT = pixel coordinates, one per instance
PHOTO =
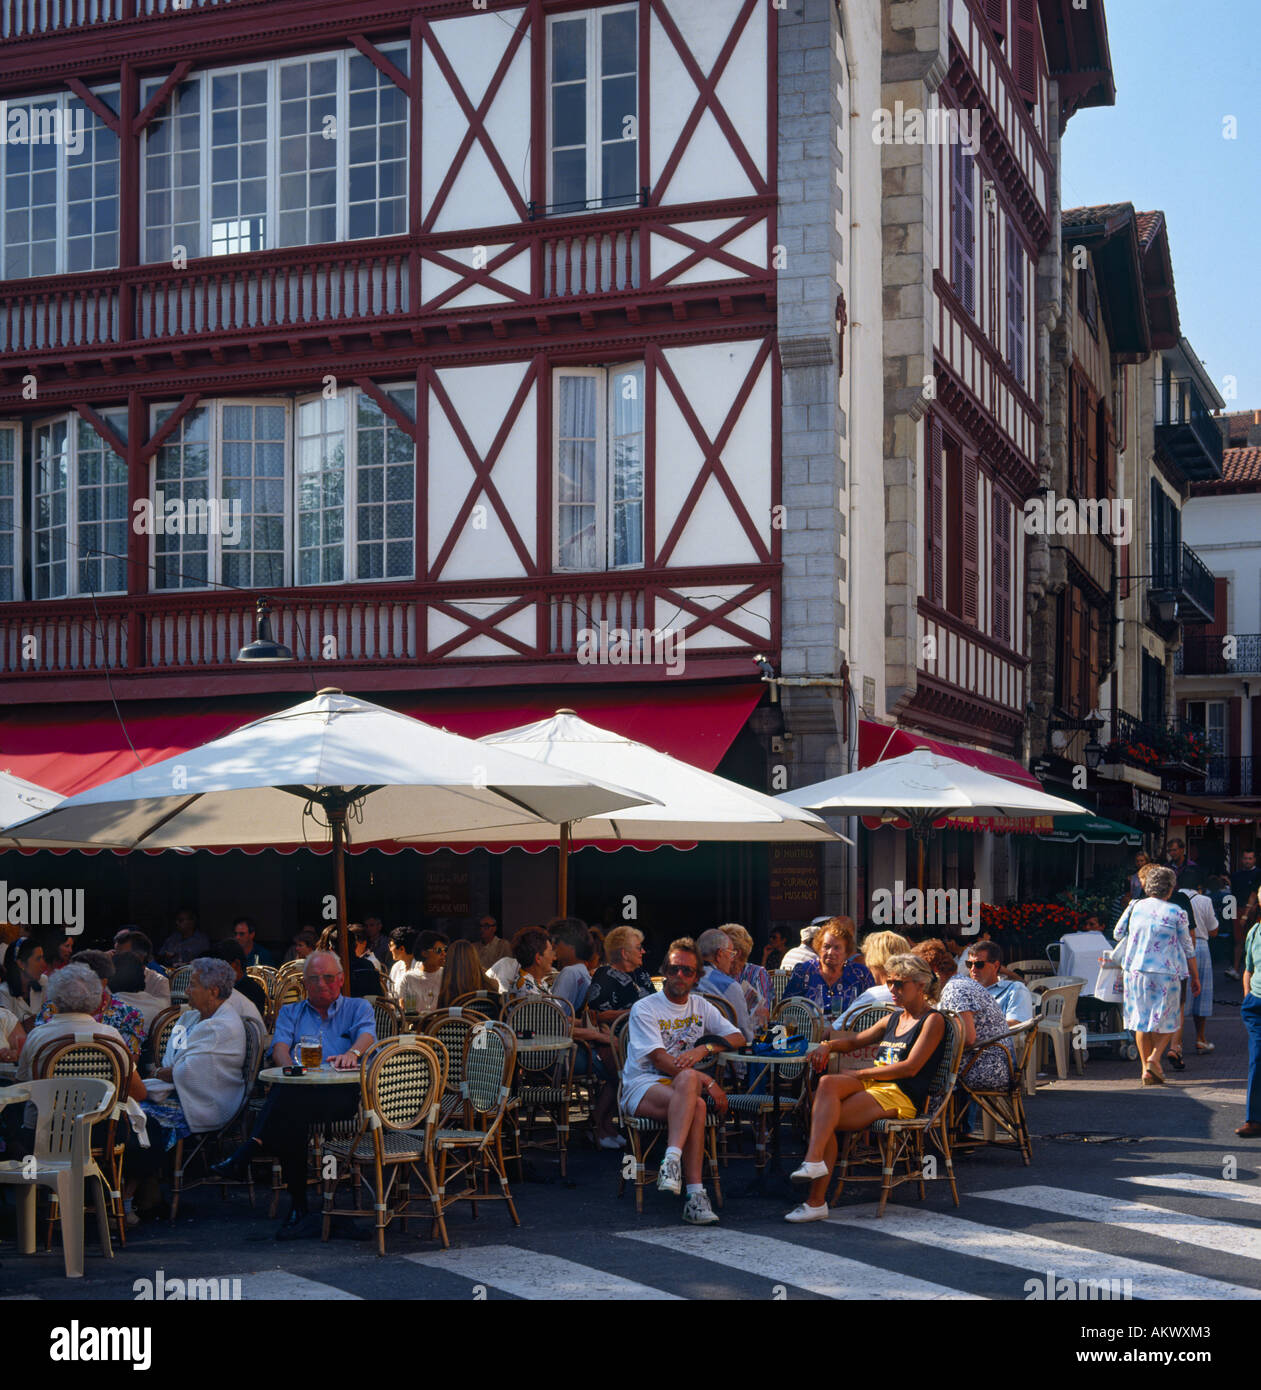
(449, 328)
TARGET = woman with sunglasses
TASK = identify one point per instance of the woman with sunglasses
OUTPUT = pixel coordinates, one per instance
(911, 1041)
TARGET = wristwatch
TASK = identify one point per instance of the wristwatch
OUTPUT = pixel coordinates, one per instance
(358, 1054)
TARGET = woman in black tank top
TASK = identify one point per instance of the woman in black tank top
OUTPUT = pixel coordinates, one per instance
(911, 1044)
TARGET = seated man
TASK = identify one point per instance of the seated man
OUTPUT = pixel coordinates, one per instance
(805, 951)
(346, 1029)
(664, 1041)
(719, 956)
(132, 941)
(186, 942)
(244, 931)
(984, 960)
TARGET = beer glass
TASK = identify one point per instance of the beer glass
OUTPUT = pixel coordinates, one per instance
(310, 1052)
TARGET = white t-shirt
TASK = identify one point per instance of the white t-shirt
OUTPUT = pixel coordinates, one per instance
(877, 994)
(416, 991)
(797, 956)
(504, 973)
(8, 1022)
(656, 1022)
(244, 1008)
(148, 1005)
(1205, 919)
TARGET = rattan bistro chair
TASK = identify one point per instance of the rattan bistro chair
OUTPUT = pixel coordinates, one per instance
(388, 1015)
(902, 1141)
(1001, 1108)
(452, 1027)
(487, 1004)
(779, 983)
(477, 1147)
(645, 1133)
(401, 1081)
(544, 1079)
(179, 983)
(94, 1055)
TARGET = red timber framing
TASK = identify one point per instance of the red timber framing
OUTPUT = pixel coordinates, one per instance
(242, 326)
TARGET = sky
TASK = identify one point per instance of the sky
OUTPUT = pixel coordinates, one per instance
(1180, 70)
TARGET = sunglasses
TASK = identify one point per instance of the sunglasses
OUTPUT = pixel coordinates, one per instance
(679, 970)
(974, 964)
(898, 984)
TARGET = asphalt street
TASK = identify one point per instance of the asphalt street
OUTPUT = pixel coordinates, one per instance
(1147, 1185)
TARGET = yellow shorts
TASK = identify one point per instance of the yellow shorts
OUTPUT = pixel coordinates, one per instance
(892, 1097)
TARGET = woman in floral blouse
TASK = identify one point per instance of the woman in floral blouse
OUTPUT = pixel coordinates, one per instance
(838, 976)
(128, 1021)
(1158, 954)
(979, 1012)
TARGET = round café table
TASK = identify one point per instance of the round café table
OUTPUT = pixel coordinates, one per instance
(323, 1075)
(774, 1061)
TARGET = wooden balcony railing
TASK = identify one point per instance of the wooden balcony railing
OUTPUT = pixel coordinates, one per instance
(27, 18)
(378, 625)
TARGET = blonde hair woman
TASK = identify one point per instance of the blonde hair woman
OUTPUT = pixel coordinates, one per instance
(879, 947)
(911, 1042)
(753, 979)
(622, 980)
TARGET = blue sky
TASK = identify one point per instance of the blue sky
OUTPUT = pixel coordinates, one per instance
(1180, 70)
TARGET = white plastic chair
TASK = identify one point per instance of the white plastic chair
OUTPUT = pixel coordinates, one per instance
(66, 1107)
(1057, 1017)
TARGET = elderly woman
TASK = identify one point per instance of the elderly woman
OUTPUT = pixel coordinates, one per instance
(1157, 955)
(980, 1014)
(204, 1062)
(838, 976)
(73, 1002)
(127, 1020)
(911, 1041)
(622, 981)
(753, 979)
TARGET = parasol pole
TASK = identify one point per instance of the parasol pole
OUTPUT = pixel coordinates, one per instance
(562, 873)
(337, 820)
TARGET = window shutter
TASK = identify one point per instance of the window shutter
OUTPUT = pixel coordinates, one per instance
(936, 491)
(1002, 568)
(968, 208)
(996, 14)
(1234, 722)
(1221, 592)
(1025, 49)
(1108, 447)
(971, 539)
(1091, 443)
(1015, 304)
(1093, 663)
(1077, 652)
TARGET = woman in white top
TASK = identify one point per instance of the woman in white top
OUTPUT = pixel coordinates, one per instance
(24, 969)
(418, 988)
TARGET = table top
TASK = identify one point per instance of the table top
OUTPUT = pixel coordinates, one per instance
(776, 1059)
(544, 1044)
(9, 1069)
(322, 1076)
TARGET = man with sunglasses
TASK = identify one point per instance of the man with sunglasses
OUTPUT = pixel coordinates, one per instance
(346, 1029)
(667, 1035)
(1013, 997)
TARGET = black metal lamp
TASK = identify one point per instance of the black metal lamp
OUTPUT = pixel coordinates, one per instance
(264, 649)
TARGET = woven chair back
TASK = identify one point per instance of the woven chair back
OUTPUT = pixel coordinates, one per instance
(179, 982)
(487, 1004)
(545, 1018)
(489, 1057)
(452, 1030)
(405, 1082)
(723, 1006)
(800, 1015)
(102, 1058)
(160, 1033)
(388, 1016)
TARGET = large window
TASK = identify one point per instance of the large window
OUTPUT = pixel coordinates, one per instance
(59, 164)
(1015, 304)
(78, 509)
(593, 110)
(599, 467)
(963, 227)
(296, 152)
(344, 510)
(10, 508)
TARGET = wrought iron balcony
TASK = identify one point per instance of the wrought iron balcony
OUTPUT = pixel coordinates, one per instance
(1186, 431)
(1180, 581)
(1219, 654)
(1227, 777)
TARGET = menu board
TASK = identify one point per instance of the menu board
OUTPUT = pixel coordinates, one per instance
(447, 885)
(795, 887)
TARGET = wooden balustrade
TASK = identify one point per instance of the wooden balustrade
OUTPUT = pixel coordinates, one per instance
(593, 261)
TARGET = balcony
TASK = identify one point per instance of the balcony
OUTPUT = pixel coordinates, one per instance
(1175, 753)
(544, 620)
(1180, 586)
(1228, 777)
(1202, 655)
(1186, 431)
(27, 18)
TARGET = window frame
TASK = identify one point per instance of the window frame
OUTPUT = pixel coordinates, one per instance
(72, 420)
(604, 499)
(19, 502)
(273, 67)
(111, 94)
(594, 145)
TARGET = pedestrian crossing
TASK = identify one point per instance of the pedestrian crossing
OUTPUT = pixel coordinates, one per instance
(928, 1251)
(855, 1255)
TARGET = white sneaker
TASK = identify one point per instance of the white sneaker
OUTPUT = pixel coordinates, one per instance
(805, 1212)
(810, 1172)
(697, 1210)
(670, 1175)
(1232, 974)
(611, 1141)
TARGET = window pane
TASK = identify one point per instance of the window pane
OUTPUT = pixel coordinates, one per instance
(569, 115)
(172, 160)
(182, 475)
(250, 467)
(50, 475)
(617, 43)
(569, 50)
(9, 463)
(321, 454)
(385, 491)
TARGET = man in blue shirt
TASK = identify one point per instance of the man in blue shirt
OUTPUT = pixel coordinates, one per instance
(720, 958)
(244, 931)
(346, 1029)
(1012, 996)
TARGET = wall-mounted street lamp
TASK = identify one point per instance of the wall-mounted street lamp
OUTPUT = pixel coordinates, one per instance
(1093, 750)
(264, 649)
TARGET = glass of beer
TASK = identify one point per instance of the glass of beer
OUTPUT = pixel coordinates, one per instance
(310, 1052)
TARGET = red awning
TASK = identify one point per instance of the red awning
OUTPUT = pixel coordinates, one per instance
(72, 748)
(877, 743)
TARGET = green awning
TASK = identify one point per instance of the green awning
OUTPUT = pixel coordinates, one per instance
(1094, 830)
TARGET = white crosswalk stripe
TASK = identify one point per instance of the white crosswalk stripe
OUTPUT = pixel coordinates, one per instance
(529, 1274)
(1027, 1251)
(781, 1262)
(1196, 1185)
(280, 1284)
(1224, 1237)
